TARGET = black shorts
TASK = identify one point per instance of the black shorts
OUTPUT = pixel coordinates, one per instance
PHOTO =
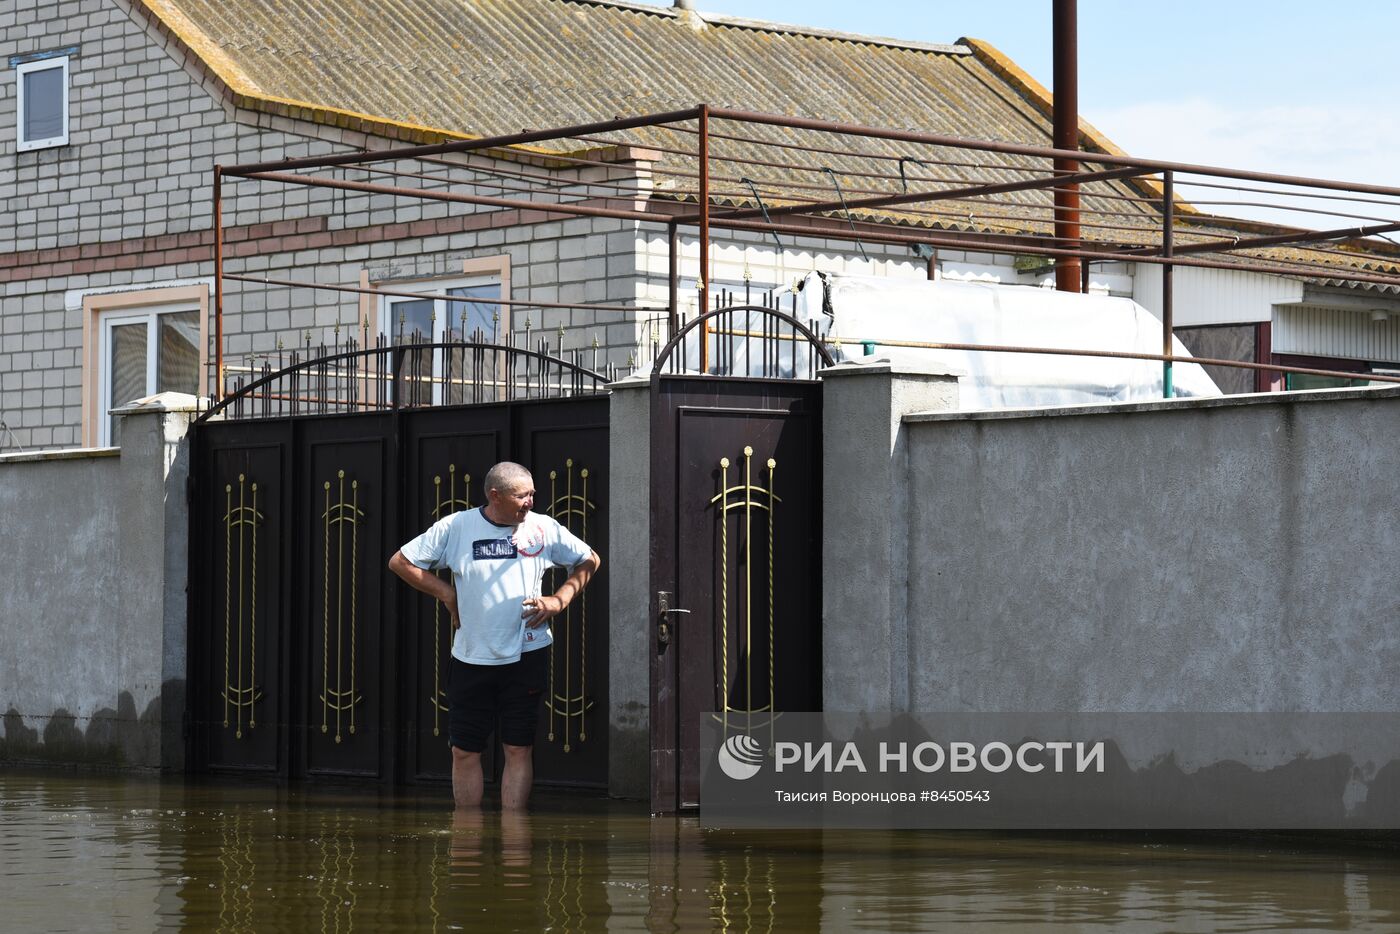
(478, 694)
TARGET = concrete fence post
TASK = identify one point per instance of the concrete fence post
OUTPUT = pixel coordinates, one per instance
(153, 623)
(865, 509)
(629, 580)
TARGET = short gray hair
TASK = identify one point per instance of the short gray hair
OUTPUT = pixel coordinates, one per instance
(506, 475)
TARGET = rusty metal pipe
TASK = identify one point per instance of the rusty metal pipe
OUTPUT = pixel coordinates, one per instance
(951, 193)
(957, 142)
(621, 213)
(850, 129)
(435, 296)
(1027, 245)
(1168, 213)
(705, 235)
(673, 261)
(1066, 136)
(467, 145)
(218, 392)
(1127, 355)
(581, 210)
(1312, 236)
(803, 123)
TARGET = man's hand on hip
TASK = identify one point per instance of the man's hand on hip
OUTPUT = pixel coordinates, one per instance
(536, 611)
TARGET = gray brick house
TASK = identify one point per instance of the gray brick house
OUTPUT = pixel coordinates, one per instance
(120, 110)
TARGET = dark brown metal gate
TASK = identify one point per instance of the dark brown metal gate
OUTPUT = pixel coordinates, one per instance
(736, 544)
(307, 658)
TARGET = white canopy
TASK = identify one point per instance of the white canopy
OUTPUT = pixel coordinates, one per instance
(860, 310)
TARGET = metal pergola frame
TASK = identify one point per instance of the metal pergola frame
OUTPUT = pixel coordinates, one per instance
(834, 219)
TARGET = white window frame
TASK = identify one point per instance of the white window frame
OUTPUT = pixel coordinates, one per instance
(92, 304)
(106, 320)
(388, 326)
(43, 64)
(488, 271)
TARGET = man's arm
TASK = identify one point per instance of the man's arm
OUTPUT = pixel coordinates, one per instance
(426, 582)
(539, 610)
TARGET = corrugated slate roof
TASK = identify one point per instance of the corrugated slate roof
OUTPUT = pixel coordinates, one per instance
(423, 69)
(491, 67)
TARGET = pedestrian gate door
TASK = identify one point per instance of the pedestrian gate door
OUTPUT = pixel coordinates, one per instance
(736, 544)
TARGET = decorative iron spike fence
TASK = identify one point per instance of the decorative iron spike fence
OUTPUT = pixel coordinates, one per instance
(408, 372)
(757, 341)
(373, 374)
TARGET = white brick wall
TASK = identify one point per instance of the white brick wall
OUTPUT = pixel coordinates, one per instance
(144, 135)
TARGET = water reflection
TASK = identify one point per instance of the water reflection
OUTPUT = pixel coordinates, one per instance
(499, 876)
(85, 853)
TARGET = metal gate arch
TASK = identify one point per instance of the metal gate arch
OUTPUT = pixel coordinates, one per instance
(307, 658)
(736, 533)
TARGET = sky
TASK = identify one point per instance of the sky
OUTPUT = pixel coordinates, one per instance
(1280, 86)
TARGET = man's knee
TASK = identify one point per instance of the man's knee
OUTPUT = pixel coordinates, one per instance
(462, 755)
(517, 752)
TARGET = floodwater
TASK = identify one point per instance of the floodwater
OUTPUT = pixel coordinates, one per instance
(81, 852)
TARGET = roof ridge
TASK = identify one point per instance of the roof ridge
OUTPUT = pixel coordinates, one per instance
(762, 25)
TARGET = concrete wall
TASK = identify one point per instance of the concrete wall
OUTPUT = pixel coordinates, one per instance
(1222, 555)
(92, 601)
(865, 518)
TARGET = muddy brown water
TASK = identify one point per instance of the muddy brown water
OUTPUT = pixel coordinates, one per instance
(102, 853)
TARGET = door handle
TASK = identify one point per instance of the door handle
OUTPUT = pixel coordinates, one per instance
(664, 610)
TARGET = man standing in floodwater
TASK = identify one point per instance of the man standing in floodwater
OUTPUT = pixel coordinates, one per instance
(497, 555)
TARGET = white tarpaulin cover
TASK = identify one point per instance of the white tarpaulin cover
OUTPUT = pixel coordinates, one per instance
(859, 309)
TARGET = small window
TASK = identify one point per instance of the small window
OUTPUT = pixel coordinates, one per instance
(465, 313)
(1294, 381)
(143, 352)
(43, 103)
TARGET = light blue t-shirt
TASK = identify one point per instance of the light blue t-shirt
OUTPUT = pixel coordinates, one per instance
(495, 568)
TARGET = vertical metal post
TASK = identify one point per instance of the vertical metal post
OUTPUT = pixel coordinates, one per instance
(1264, 381)
(1168, 209)
(932, 265)
(673, 311)
(218, 392)
(396, 355)
(704, 280)
(1066, 136)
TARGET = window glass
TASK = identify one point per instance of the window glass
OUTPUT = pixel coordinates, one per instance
(127, 368)
(476, 316)
(43, 104)
(41, 89)
(409, 317)
(177, 357)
